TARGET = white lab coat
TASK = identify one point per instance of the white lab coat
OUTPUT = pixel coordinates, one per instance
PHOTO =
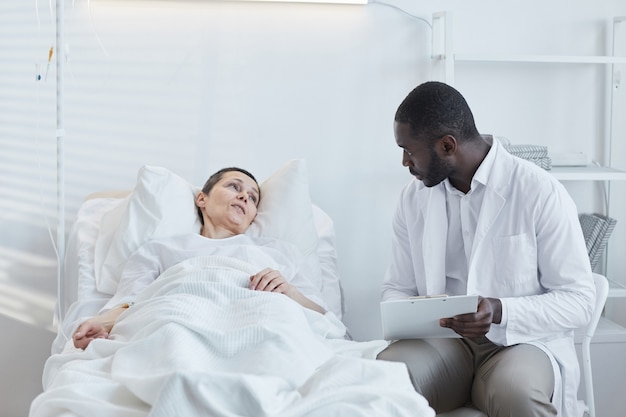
(528, 251)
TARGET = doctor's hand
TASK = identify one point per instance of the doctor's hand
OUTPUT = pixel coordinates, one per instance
(477, 324)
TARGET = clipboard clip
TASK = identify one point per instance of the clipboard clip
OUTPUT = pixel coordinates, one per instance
(420, 297)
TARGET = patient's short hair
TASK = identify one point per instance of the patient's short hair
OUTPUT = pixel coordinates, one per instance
(216, 177)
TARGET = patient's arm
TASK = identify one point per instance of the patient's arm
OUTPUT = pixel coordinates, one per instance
(97, 327)
(273, 281)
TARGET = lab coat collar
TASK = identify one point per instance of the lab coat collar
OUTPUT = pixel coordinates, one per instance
(499, 176)
(495, 176)
(497, 173)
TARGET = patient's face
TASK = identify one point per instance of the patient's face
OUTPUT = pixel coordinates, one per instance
(232, 203)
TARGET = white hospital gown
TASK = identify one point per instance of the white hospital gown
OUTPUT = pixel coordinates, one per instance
(156, 256)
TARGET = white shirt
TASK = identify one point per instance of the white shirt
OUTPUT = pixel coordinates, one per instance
(462, 211)
(156, 256)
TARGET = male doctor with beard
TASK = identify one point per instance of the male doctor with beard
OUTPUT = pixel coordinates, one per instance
(477, 220)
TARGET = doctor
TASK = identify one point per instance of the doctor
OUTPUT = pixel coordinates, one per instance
(476, 220)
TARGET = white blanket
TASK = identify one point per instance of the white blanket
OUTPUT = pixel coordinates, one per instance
(199, 343)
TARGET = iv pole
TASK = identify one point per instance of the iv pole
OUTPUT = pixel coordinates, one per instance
(60, 133)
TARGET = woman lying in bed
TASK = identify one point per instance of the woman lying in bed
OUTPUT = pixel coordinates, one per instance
(222, 333)
(227, 205)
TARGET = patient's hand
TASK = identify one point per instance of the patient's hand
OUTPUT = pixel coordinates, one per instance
(88, 331)
(271, 280)
(477, 324)
(97, 327)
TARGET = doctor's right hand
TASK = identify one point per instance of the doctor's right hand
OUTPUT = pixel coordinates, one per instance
(477, 324)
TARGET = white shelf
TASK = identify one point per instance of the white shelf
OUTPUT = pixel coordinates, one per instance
(587, 173)
(443, 50)
(546, 59)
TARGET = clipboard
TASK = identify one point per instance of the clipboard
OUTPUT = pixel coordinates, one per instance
(418, 317)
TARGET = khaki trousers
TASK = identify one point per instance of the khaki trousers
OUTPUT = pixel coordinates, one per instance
(513, 381)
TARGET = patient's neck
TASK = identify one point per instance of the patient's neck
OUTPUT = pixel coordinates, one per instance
(216, 232)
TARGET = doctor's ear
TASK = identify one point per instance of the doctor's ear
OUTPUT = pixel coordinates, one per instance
(448, 144)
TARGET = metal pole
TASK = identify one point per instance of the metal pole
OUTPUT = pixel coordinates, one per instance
(60, 133)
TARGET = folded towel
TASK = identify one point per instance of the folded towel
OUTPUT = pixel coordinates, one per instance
(545, 162)
(527, 151)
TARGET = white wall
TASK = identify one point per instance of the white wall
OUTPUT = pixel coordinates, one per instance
(196, 85)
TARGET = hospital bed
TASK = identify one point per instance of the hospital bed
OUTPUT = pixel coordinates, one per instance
(175, 354)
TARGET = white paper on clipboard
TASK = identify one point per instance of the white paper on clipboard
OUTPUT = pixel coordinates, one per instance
(418, 318)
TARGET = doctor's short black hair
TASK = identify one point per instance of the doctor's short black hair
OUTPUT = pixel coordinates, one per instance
(435, 109)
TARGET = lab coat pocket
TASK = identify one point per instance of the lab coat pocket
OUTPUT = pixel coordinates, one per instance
(516, 262)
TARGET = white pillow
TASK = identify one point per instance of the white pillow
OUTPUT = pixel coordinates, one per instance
(162, 205)
(286, 213)
(332, 291)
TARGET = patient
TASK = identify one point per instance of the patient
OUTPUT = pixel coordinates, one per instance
(227, 205)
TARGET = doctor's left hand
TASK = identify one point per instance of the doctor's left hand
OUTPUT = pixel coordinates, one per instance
(477, 324)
